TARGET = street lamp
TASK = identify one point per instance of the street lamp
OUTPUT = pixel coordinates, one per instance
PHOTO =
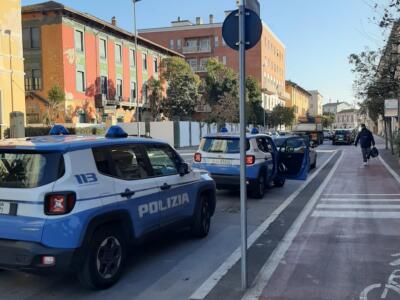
(136, 69)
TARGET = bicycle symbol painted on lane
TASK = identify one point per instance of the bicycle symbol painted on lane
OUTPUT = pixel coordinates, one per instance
(383, 290)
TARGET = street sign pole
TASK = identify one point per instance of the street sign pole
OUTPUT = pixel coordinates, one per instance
(242, 30)
(242, 106)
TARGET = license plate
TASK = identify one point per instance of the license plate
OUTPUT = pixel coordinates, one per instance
(5, 208)
(219, 161)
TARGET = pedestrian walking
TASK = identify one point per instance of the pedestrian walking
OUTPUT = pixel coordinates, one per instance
(366, 139)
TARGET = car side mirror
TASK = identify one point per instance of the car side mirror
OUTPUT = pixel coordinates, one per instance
(183, 169)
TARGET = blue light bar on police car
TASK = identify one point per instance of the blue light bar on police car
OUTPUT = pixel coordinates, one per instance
(224, 130)
(58, 130)
(116, 132)
(255, 131)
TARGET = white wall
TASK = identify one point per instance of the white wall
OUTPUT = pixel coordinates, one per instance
(184, 138)
(132, 128)
(163, 131)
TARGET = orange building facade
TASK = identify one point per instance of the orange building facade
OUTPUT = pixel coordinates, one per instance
(299, 99)
(200, 41)
(93, 61)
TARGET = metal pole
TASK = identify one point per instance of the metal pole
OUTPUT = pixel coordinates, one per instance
(136, 71)
(242, 107)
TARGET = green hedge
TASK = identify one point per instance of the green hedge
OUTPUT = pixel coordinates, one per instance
(40, 131)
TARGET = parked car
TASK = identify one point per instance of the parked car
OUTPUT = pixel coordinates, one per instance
(78, 203)
(281, 141)
(343, 136)
(219, 154)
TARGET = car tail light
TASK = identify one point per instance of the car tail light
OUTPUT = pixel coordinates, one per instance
(197, 157)
(59, 203)
(250, 159)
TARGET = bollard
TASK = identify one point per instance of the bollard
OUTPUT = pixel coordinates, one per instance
(17, 125)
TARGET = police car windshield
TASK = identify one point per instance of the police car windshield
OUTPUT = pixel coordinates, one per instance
(29, 170)
(221, 145)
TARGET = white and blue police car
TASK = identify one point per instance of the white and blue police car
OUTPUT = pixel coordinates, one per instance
(219, 154)
(73, 202)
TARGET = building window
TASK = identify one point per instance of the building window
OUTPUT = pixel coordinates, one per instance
(31, 38)
(119, 89)
(132, 57)
(144, 93)
(103, 85)
(155, 64)
(133, 91)
(223, 42)
(80, 81)
(178, 44)
(171, 44)
(224, 60)
(79, 40)
(103, 48)
(216, 42)
(118, 53)
(203, 65)
(193, 64)
(144, 58)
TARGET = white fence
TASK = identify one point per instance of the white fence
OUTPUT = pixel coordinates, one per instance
(179, 134)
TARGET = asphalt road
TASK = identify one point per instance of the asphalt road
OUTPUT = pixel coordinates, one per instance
(169, 268)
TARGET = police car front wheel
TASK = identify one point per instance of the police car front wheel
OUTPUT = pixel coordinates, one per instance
(105, 259)
(202, 219)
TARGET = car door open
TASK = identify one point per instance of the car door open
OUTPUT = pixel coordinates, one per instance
(294, 159)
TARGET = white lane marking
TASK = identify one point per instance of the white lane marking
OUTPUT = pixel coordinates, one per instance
(359, 206)
(327, 195)
(358, 200)
(276, 257)
(325, 151)
(391, 171)
(215, 277)
(356, 214)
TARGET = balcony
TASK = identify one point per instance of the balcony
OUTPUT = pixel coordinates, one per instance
(196, 49)
(102, 100)
(33, 84)
(198, 68)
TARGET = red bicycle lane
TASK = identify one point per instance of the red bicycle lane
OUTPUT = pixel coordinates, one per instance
(347, 244)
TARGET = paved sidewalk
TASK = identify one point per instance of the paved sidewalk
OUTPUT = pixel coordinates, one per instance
(346, 242)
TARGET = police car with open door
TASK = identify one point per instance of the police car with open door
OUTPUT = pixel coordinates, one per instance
(80, 202)
(219, 154)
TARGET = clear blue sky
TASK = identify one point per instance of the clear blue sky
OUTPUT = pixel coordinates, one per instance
(319, 34)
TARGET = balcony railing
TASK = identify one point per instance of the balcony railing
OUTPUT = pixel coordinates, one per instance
(33, 84)
(198, 68)
(196, 49)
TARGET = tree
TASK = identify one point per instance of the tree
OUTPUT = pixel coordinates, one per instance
(219, 80)
(155, 89)
(56, 98)
(183, 88)
(255, 113)
(328, 120)
(281, 115)
(226, 110)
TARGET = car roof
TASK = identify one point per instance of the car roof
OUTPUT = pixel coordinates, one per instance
(233, 135)
(67, 143)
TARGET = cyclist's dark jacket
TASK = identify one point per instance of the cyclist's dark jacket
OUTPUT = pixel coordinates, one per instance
(365, 138)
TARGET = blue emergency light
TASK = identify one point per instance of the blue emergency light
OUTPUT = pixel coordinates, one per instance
(115, 132)
(58, 130)
(224, 130)
(255, 131)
